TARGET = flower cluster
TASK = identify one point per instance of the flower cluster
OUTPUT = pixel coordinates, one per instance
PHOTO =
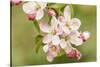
(61, 33)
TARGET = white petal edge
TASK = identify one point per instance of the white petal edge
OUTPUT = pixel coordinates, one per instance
(44, 27)
(74, 33)
(63, 44)
(67, 13)
(29, 7)
(46, 48)
(59, 30)
(50, 58)
(68, 47)
(47, 38)
(42, 4)
(54, 22)
(75, 24)
(55, 40)
(66, 30)
(39, 14)
(76, 41)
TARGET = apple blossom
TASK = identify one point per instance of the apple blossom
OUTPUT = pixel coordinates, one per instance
(66, 22)
(61, 33)
(50, 32)
(51, 51)
(36, 8)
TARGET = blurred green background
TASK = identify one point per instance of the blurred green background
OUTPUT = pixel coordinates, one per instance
(23, 52)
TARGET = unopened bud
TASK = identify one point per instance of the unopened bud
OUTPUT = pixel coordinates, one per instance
(71, 54)
(51, 12)
(85, 35)
(31, 17)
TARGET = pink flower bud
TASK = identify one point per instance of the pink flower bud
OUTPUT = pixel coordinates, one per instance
(31, 17)
(78, 54)
(74, 53)
(71, 54)
(51, 12)
(84, 36)
(15, 2)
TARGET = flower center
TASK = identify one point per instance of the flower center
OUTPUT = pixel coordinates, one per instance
(68, 24)
(53, 48)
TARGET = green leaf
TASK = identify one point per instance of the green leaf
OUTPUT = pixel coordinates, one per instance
(38, 42)
(36, 26)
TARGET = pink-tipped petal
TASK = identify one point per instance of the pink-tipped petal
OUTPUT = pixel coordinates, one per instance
(68, 47)
(74, 33)
(63, 44)
(59, 30)
(47, 38)
(44, 27)
(29, 7)
(66, 30)
(62, 20)
(51, 55)
(54, 22)
(50, 58)
(67, 13)
(75, 24)
(76, 41)
(39, 14)
(55, 40)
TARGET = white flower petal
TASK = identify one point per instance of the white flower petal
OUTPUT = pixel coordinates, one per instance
(63, 44)
(67, 13)
(50, 58)
(46, 48)
(75, 24)
(42, 4)
(44, 27)
(54, 22)
(59, 30)
(68, 47)
(47, 38)
(29, 7)
(74, 33)
(55, 40)
(76, 41)
(66, 30)
(62, 20)
(39, 14)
